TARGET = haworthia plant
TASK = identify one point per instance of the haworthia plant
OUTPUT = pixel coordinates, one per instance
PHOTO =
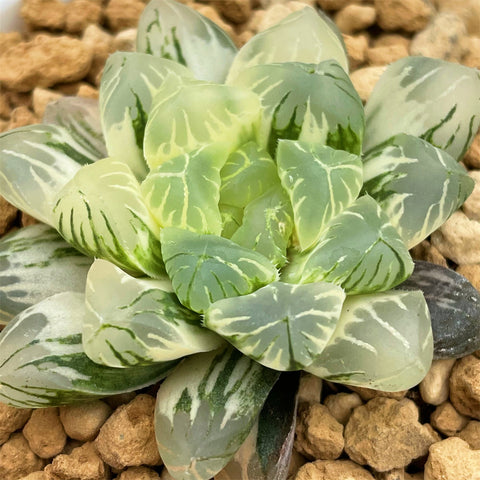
(238, 232)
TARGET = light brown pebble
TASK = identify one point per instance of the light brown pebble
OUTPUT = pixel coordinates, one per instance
(389, 39)
(364, 79)
(471, 434)
(387, 54)
(332, 4)
(427, 252)
(356, 46)
(333, 470)
(9, 39)
(44, 14)
(82, 464)
(465, 386)
(44, 432)
(100, 43)
(467, 10)
(80, 14)
(472, 157)
(214, 16)
(237, 11)
(452, 459)
(26, 220)
(41, 475)
(41, 98)
(457, 239)
(120, 399)
(471, 273)
(472, 55)
(354, 18)
(8, 214)
(407, 15)
(87, 91)
(242, 38)
(443, 38)
(83, 421)
(166, 475)
(386, 434)
(446, 420)
(369, 393)
(139, 473)
(342, 404)
(471, 207)
(296, 462)
(434, 388)
(121, 14)
(395, 474)
(43, 62)
(11, 418)
(3, 125)
(318, 434)
(127, 438)
(278, 12)
(4, 106)
(21, 117)
(310, 389)
(17, 459)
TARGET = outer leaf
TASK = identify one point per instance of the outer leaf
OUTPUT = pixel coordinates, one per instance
(35, 163)
(174, 31)
(42, 363)
(383, 341)
(360, 251)
(425, 97)
(266, 453)
(129, 82)
(205, 410)
(267, 225)
(207, 268)
(248, 173)
(186, 117)
(315, 103)
(184, 191)
(35, 263)
(281, 326)
(101, 212)
(81, 117)
(306, 36)
(321, 183)
(395, 173)
(132, 321)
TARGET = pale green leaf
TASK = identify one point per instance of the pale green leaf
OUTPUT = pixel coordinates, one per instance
(207, 268)
(382, 341)
(42, 363)
(35, 163)
(188, 116)
(101, 212)
(174, 31)
(425, 97)
(281, 326)
(360, 251)
(35, 263)
(205, 410)
(231, 219)
(184, 191)
(129, 82)
(321, 182)
(395, 174)
(315, 103)
(267, 225)
(306, 36)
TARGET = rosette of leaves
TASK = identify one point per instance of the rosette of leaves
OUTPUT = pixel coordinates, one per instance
(212, 220)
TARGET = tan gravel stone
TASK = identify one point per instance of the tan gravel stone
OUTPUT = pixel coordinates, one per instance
(354, 18)
(22, 116)
(125, 40)
(471, 207)
(389, 39)
(17, 459)
(41, 475)
(426, 251)
(386, 434)
(318, 434)
(44, 432)
(471, 434)
(465, 386)
(237, 11)
(447, 420)
(4, 106)
(467, 10)
(472, 55)
(44, 14)
(100, 43)
(369, 393)
(452, 459)
(26, 220)
(214, 16)
(471, 273)
(395, 474)
(41, 98)
(408, 15)
(80, 14)
(357, 46)
(11, 418)
(364, 79)
(9, 39)
(121, 14)
(87, 91)
(332, 4)
(139, 473)
(342, 404)
(386, 54)
(43, 62)
(278, 12)
(127, 438)
(8, 214)
(435, 387)
(333, 470)
(472, 157)
(310, 389)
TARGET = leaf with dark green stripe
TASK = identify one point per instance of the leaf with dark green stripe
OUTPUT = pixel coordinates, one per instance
(42, 362)
(206, 409)
(207, 268)
(231, 219)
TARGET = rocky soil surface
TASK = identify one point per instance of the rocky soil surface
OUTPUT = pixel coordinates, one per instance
(431, 432)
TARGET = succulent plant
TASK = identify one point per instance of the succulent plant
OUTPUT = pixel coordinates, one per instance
(247, 217)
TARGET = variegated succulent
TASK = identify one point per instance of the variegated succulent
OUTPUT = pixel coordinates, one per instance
(244, 211)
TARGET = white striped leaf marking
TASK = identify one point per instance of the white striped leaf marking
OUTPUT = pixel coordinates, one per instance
(281, 326)
(382, 341)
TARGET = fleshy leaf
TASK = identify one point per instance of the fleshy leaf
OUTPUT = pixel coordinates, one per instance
(281, 326)
(129, 82)
(267, 225)
(315, 103)
(81, 117)
(321, 183)
(184, 191)
(305, 36)
(43, 364)
(248, 173)
(174, 31)
(102, 213)
(35, 263)
(426, 97)
(35, 163)
(266, 453)
(186, 117)
(231, 219)
(205, 410)
(382, 341)
(138, 321)
(207, 268)
(360, 251)
(394, 175)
